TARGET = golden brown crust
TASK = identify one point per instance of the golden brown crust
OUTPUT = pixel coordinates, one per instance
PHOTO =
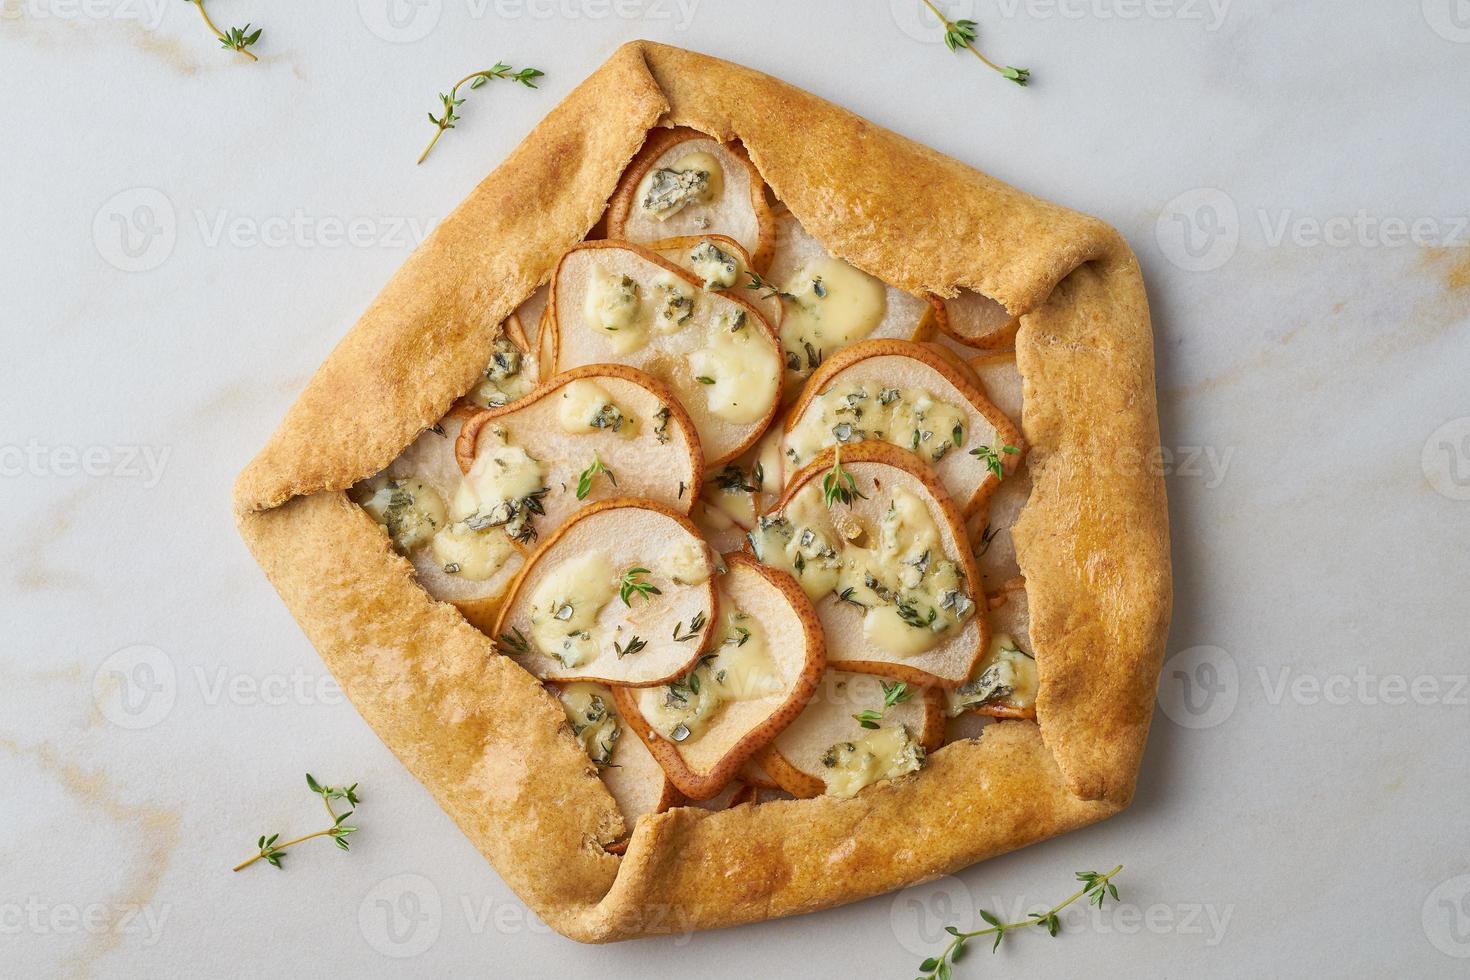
(428, 335)
(702, 785)
(1092, 542)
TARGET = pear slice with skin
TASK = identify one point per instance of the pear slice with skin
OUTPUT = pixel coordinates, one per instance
(738, 209)
(430, 460)
(1010, 618)
(721, 360)
(1001, 381)
(903, 316)
(975, 320)
(875, 366)
(633, 638)
(652, 455)
(794, 757)
(757, 604)
(683, 251)
(883, 474)
(637, 784)
(990, 529)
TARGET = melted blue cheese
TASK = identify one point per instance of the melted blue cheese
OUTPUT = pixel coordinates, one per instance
(584, 406)
(410, 510)
(589, 710)
(738, 668)
(501, 490)
(829, 304)
(741, 373)
(506, 377)
(695, 178)
(673, 303)
(867, 410)
(886, 753)
(614, 307)
(896, 574)
(719, 269)
(564, 608)
(1004, 677)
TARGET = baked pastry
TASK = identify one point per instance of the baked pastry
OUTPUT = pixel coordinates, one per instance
(1020, 582)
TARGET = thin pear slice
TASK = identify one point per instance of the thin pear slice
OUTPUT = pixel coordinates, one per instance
(613, 302)
(829, 304)
(756, 676)
(418, 487)
(734, 794)
(630, 773)
(754, 774)
(886, 563)
(1001, 381)
(623, 593)
(1004, 683)
(909, 395)
(721, 263)
(663, 195)
(975, 320)
(796, 758)
(990, 530)
(589, 434)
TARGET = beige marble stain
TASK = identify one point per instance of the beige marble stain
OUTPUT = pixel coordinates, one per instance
(157, 830)
(32, 570)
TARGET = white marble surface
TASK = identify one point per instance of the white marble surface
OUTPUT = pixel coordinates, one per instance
(1304, 806)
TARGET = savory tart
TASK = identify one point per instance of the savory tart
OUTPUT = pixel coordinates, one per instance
(885, 387)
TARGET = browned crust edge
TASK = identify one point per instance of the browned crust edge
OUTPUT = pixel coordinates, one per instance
(469, 724)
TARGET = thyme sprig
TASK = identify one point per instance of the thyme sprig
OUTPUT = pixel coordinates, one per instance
(515, 640)
(633, 584)
(1095, 886)
(584, 479)
(991, 458)
(892, 694)
(838, 484)
(270, 851)
(759, 282)
(235, 39)
(695, 625)
(452, 101)
(962, 33)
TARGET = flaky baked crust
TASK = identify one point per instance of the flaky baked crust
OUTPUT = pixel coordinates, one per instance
(493, 746)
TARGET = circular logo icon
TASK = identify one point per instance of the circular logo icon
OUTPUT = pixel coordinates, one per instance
(917, 21)
(400, 916)
(135, 687)
(1446, 917)
(1199, 230)
(919, 914)
(400, 21)
(1446, 459)
(1450, 19)
(1199, 687)
(135, 230)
